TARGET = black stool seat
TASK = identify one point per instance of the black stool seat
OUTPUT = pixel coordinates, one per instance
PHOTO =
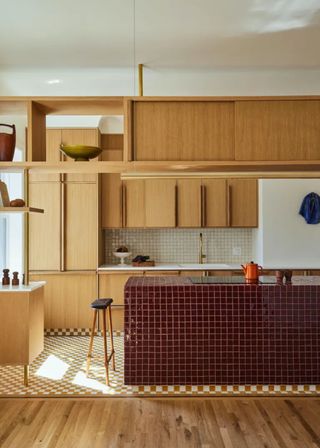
(101, 304)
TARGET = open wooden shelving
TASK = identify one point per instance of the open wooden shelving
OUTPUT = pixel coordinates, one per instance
(21, 210)
(236, 167)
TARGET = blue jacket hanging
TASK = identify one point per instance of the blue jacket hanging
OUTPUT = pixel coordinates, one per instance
(310, 208)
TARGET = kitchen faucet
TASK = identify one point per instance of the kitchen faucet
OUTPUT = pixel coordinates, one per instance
(201, 254)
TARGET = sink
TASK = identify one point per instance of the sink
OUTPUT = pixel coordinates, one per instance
(204, 266)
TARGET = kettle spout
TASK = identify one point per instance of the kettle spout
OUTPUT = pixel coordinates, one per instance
(244, 268)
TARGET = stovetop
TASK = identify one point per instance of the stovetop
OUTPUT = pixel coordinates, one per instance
(234, 280)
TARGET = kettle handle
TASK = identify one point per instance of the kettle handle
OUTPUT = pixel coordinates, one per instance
(9, 126)
(260, 267)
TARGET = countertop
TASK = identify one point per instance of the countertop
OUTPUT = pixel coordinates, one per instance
(177, 281)
(22, 288)
(193, 267)
(173, 267)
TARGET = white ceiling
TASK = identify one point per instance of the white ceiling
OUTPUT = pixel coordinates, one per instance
(168, 33)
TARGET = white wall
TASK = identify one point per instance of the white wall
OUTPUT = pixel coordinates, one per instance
(284, 239)
(160, 81)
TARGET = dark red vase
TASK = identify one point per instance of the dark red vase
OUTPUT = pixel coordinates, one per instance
(7, 144)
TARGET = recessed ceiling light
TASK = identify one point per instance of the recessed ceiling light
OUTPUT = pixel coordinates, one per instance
(54, 81)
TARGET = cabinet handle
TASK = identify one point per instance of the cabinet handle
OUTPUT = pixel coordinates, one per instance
(62, 225)
(203, 206)
(229, 205)
(176, 205)
(124, 205)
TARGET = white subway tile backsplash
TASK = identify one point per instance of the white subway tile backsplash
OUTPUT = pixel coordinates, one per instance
(181, 245)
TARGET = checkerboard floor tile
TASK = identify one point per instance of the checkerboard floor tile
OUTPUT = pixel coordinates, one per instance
(60, 371)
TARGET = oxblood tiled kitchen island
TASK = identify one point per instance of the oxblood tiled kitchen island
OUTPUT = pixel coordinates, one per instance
(179, 333)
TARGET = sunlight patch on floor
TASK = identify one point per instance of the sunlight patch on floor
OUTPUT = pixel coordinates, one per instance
(52, 368)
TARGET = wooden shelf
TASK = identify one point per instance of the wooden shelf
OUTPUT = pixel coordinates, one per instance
(21, 210)
(294, 168)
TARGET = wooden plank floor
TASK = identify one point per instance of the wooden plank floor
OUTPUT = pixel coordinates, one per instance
(183, 422)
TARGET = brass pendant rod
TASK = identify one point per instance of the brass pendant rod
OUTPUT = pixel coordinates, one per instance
(140, 71)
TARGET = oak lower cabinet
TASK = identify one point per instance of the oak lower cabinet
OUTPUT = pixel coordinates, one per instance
(67, 299)
(65, 237)
(111, 285)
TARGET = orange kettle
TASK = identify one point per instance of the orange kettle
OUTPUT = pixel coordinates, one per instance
(251, 271)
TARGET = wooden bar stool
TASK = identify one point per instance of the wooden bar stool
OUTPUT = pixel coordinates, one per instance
(102, 305)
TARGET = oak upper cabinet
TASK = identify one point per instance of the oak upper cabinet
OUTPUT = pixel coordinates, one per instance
(160, 203)
(214, 203)
(133, 203)
(242, 202)
(182, 130)
(111, 201)
(90, 137)
(45, 229)
(277, 130)
(149, 203)
(189, 203)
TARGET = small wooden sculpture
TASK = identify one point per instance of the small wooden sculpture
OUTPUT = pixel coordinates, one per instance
(15, 280)
(5, 278)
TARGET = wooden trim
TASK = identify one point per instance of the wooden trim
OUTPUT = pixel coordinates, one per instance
(255, 169)
(36, 138)
(223, 98)
(176, 205)
(127, 138)
(203, 202)
(229, 205)
(124, 205)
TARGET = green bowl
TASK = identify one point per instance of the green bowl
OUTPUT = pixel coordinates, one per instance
(80, 152)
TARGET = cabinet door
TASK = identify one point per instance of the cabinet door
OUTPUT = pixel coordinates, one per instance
(111, 201)
(183, 130)
(214, 203)
(67, 299)
(81, 226)
(111, 185)
(189, 203)
(160, 202)
(45, 229)
(112, 285)
(90, 137)
(243, 202)
(133, 203)
(277, 130)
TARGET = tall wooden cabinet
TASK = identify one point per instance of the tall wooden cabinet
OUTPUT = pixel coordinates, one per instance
(64, 243)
